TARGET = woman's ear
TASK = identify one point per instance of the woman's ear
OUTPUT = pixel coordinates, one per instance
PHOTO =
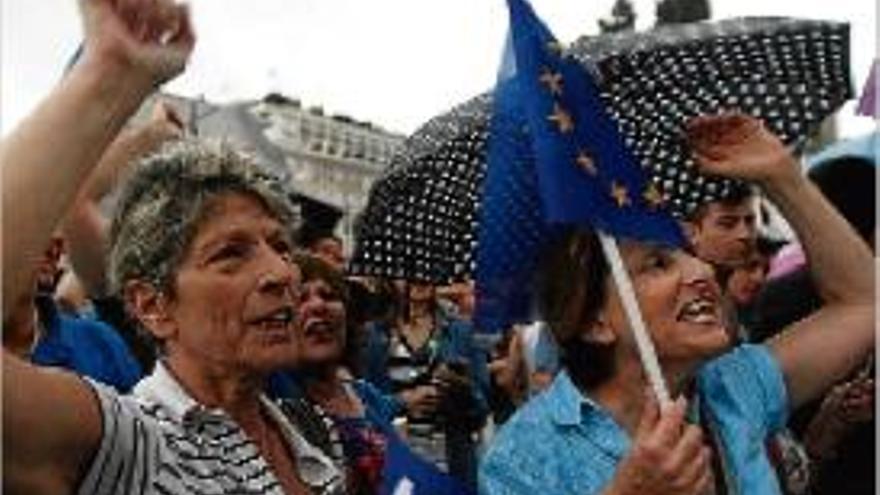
(151, 307)
(600, 332)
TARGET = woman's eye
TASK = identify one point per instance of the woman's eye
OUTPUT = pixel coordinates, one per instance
(727, 223)
(230, 252)
(657, 261)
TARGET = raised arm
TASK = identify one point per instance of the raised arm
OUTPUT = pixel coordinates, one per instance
(48, 156)
(51, 419)
(85, 227)
(824, 347)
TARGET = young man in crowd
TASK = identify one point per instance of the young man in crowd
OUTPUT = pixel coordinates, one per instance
(723, 232)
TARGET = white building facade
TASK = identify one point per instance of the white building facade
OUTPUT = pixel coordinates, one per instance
(334, 159)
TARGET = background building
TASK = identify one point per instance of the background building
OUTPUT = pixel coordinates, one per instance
(331, 159)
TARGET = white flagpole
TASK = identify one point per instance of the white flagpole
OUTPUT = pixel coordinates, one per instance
(631, 306)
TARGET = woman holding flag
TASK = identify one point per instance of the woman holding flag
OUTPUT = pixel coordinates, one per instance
(597, 430)
(635, 314)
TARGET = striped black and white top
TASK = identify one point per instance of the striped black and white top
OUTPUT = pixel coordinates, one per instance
(159, 440)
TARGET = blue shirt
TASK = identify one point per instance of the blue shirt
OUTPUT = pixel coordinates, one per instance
(85, 346)
(561, 442)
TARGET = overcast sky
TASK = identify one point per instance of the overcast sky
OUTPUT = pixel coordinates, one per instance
(393, 62)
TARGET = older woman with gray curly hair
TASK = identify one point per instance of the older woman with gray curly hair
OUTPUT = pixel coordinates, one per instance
(200, 251)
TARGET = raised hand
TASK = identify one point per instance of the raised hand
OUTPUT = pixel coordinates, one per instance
(739, 146)
(845, 406)
(667, 456)
(151, 38)
(165, 123)
(857, 402)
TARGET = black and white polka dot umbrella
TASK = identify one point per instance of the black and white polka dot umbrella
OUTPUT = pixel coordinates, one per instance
(420, 221)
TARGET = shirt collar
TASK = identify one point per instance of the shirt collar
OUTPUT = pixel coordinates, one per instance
(567, 403)
(570, 408)
(315, 468)
(162, 388)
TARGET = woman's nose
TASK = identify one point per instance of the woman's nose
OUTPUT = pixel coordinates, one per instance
(278, 272)
(313, 306)
(697, 271)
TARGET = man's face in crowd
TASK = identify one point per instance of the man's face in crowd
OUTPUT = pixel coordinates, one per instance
(330, 250)
(725, 232)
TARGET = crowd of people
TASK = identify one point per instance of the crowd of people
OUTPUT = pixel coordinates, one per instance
(198, 341)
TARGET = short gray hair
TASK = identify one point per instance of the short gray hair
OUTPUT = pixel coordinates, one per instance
(162, 205)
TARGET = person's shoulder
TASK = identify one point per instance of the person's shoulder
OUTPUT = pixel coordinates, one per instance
(128, 407)
(738, 358)
(90, 328)
(531, 453)
(97, 342)
(750, 377)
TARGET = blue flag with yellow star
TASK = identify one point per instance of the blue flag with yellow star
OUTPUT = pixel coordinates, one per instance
(555, 159)
(586, 174)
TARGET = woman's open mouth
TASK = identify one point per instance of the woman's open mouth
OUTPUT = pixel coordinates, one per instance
(702, 311)
(277, 323)
(318, 329)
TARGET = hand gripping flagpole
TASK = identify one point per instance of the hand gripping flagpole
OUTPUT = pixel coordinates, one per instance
(645, 346)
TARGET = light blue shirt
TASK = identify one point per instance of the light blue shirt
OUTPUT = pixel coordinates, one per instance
(561, 442)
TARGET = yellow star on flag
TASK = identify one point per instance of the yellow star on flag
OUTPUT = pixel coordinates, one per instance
(585, 162)
(562, 119)
(620, 194)
(653, 196)
(553, 81)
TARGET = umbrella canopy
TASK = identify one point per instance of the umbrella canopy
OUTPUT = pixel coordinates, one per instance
(420, 221)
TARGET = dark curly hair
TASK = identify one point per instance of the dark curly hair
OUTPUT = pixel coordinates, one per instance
(572, 289)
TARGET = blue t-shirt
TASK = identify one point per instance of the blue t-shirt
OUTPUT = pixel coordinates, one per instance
(85, 346)
(561, 442)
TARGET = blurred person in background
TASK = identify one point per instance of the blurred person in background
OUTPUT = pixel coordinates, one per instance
(429, 362)
(747, 279)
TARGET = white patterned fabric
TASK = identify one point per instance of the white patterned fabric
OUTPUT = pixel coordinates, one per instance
(159, 440)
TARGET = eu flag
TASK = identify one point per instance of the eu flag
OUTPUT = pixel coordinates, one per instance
(586, 174)
(555, 159)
